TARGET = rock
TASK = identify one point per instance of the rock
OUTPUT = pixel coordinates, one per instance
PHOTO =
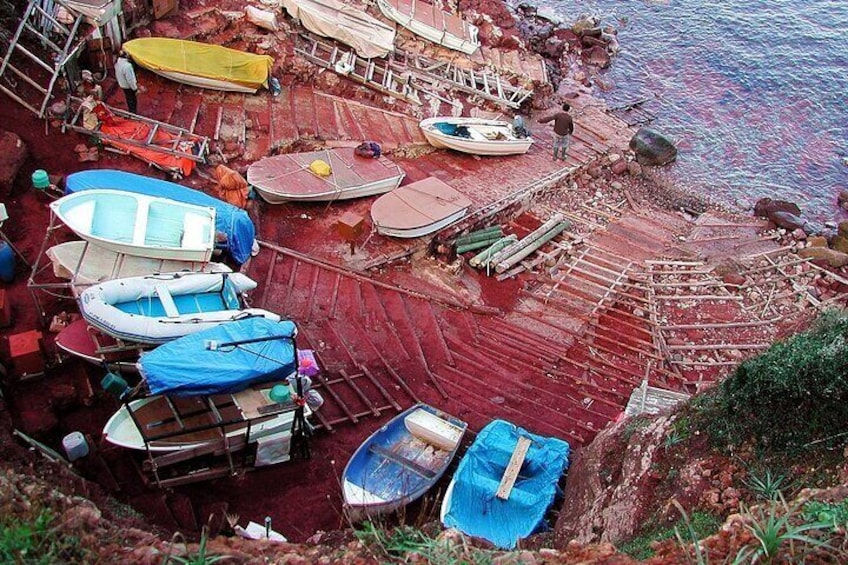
(834, 258)
(817, 241)
(634, 168)
(766, 206)
(840, 243)
(799, 234)
(596, 56)
(842, 228)
(652, 148)
(842, 198)
(619, 167)
(13, 154)
(786, 220)
(734, 279)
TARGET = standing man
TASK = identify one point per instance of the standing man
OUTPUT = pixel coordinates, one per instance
(125, 75)
(563, 128)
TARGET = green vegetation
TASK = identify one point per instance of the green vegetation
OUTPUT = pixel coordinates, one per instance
(833, 513)
(399, 543)
(699, 525)
(679, 432)
(793, 396)
(767, 486)
(199, 558)
(775, 532)
(37, 540)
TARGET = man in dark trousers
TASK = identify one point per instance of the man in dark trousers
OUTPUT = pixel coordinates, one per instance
(563, 128)
(125, 75)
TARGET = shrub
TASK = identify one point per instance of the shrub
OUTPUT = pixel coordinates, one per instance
(36, 539)
(793, 394)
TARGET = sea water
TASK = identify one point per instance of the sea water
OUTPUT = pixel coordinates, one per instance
(753, 92)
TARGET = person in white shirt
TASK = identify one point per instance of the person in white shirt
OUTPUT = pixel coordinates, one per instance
(125, 75)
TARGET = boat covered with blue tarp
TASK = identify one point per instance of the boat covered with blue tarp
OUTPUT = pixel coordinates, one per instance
(471, 502)
(205, 363)
(229, 219)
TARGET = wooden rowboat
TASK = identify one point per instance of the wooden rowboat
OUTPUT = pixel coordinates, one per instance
(431, 22)
(141, 225)
(85, 263)
(477, 136)
(288, 177)
(418, 209)
(401, 461)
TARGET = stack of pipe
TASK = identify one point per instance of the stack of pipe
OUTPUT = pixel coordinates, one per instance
(512, 253)
(478, 239)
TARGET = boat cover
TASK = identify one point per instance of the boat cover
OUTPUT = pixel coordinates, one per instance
(232, 221)
(474, 508)
(368, 36)
(200, 59)
(196, 365)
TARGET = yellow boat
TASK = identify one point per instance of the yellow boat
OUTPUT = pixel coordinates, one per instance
(201, 64)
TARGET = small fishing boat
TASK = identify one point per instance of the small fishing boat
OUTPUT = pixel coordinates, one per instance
(231, 221)
(89, 344)
(85, 264)
(368, 36)
(137, 224)
(288, 177)
(505, 484)
(242, 395)
(418, 209)
(477, 136)
(431, 22)
(159, 308)
(201, 64)
(400, 462)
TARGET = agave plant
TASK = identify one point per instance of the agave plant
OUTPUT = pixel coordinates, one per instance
(767, 486)
(775, 532)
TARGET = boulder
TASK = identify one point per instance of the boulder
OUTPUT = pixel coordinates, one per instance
(840, 243)
(786, 220)
(766, 206)
(13, 154)
(842, 199)
(843, 228)
(652, 148)
(597, 56)
(818, 241)
(834, 258)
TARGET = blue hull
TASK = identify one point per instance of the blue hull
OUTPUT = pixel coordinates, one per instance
(471, 504)
(394, 467)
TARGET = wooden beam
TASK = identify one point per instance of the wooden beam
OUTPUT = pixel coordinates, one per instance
(513, 468)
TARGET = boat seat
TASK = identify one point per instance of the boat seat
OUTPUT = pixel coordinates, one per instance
(403, 461)
(195, 235)
(167, 301)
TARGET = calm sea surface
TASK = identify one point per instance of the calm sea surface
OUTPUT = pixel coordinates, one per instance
(754, 92)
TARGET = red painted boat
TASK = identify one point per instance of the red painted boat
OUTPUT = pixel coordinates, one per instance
(418, 209)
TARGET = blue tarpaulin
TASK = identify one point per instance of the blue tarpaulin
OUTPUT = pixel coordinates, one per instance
(474, 507)
(229, 219)
(198, 364)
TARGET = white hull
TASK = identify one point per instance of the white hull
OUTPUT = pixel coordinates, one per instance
(89, 265)
(204, 82)
(422, 230)
(439, 36)
(122, 431)
(160, 308)
(370, 189)
(141, 225)
(487, 137)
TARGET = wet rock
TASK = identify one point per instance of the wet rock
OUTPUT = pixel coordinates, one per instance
(554, 48)
(597, 56)
(13, 154)
(765, 207)
(799, 234)
(817, 241)
(734, 279)
(843, 228)
(833, 257)
(840, 243)
(652, 148)
(842, 199)
(634, 168)
(619, 167)
(787, 221)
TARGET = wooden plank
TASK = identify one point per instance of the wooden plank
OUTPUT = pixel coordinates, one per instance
(513, 468)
